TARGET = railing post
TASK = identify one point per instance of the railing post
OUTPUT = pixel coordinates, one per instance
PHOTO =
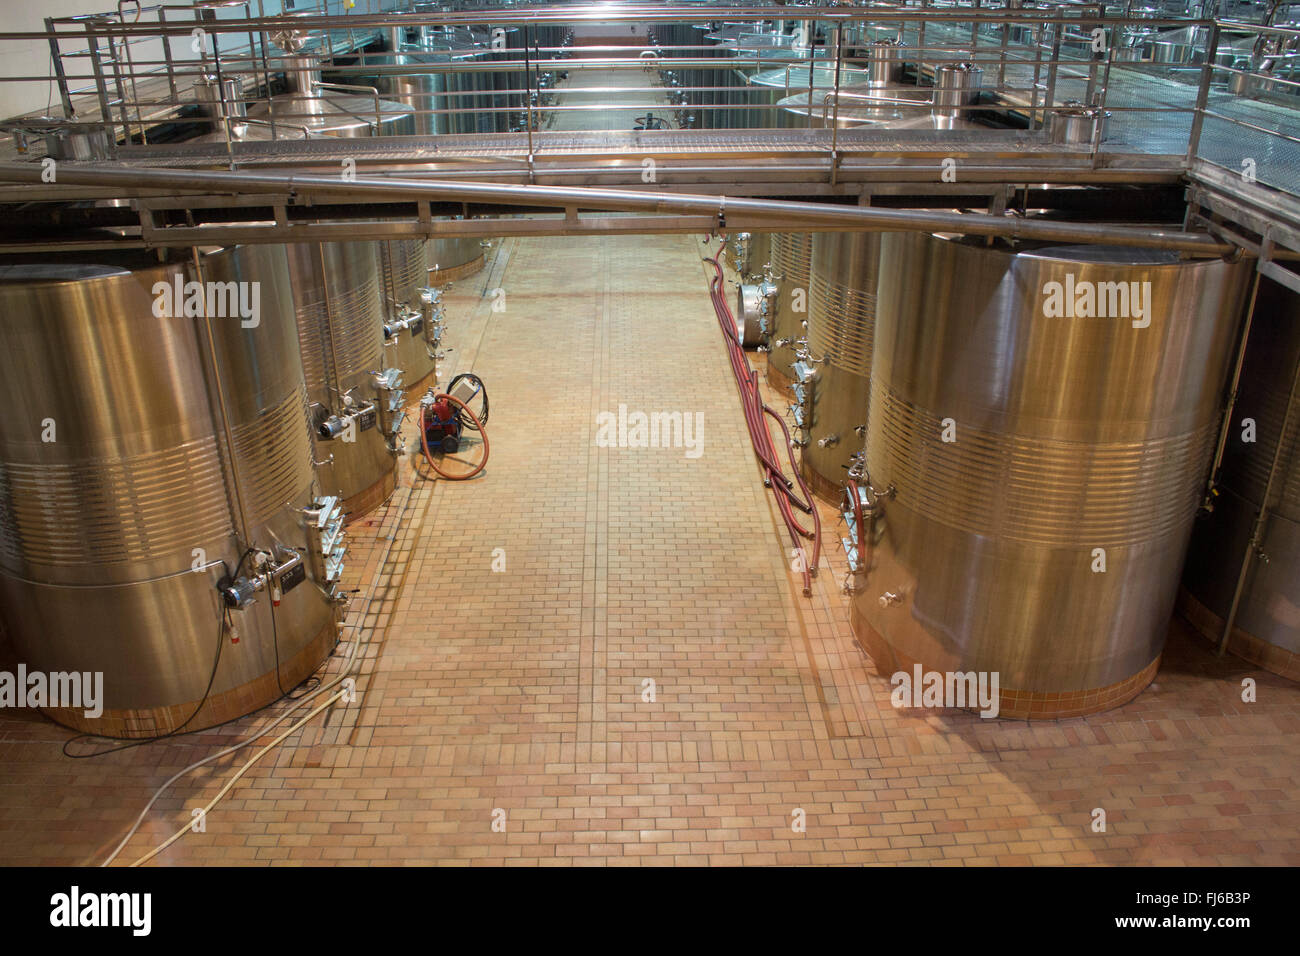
(56, 58)
(528, 92)
(101, 86)
(1203, 94)
(1049, 95)
(835, 113)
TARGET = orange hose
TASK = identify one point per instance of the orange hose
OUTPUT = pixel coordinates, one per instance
(424, 441)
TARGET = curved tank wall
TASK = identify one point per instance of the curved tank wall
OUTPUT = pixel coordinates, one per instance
(404, 269)
(454, 258)
(1046, 469)
(420, 91)
(340, 315)
(118, 529)
(841, 316)
(1267, 628)
(791, 256)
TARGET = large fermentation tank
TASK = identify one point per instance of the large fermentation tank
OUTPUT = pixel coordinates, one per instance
(486, 99)
(841, 317)
(420, 88)
(1045, 470)
(1266, 631)
(754, 49)
(340, 315)
(897, 107)
(412, 310)
(456, 89)
(454, 258)
(314, 108)
(142, 451)
(791, 257)
(767, 88)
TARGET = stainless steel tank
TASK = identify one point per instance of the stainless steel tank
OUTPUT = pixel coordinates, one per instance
(419, 90)
(768, 88)
(841, 317)
(144, 450)
(1037, 473)
(454, 258)
(898, 106)
(1266, 631)
(314, 108)
(468, 88)
(340, 315)
(791, 256)
(413, 309)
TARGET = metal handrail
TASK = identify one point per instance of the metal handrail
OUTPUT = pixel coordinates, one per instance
(1044, 50)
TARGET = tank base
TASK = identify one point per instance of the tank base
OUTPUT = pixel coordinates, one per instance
(415, 391)
(1243, 644)
(364, 502)
(442, 276)
(782, 383)
(825, 489)
(219, 708)
(1012, 704)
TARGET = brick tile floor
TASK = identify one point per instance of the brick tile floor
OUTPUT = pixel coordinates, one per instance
(521, 695)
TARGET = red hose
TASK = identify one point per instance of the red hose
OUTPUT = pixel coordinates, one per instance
(424, 440)
(756, 413)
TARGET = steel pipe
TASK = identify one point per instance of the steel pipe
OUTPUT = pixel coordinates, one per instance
(808, 215)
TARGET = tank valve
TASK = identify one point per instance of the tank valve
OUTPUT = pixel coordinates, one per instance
(889, 599)
(828, 441)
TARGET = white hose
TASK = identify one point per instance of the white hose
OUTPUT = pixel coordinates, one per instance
(298, 725)
(300, 702)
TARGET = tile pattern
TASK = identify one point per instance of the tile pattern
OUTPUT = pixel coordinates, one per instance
(524, 690)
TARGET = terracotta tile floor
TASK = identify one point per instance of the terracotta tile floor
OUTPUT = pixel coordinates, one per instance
(581, 112)
(522, 690)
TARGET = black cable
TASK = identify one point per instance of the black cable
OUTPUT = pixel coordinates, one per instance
(275, 642)
(216, 663)
(180, 730)
(481, 389)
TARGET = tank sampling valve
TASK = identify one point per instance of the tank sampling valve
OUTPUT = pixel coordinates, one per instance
(406, 318)
(361, 417)
(828, 441)
(890, 599)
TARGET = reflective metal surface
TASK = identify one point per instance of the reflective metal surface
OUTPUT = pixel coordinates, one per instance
(453, 258)
(119, 508)
(1269, 610)
(340, 317)
(1073, 441)
(404, 270)
(841, 318)
(791, 265)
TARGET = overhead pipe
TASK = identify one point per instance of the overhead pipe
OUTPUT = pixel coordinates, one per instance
(807, 216)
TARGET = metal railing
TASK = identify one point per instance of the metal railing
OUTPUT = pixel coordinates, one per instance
(1181, 87)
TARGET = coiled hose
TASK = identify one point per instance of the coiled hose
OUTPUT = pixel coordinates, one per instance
(474, 424)
(756, 414)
